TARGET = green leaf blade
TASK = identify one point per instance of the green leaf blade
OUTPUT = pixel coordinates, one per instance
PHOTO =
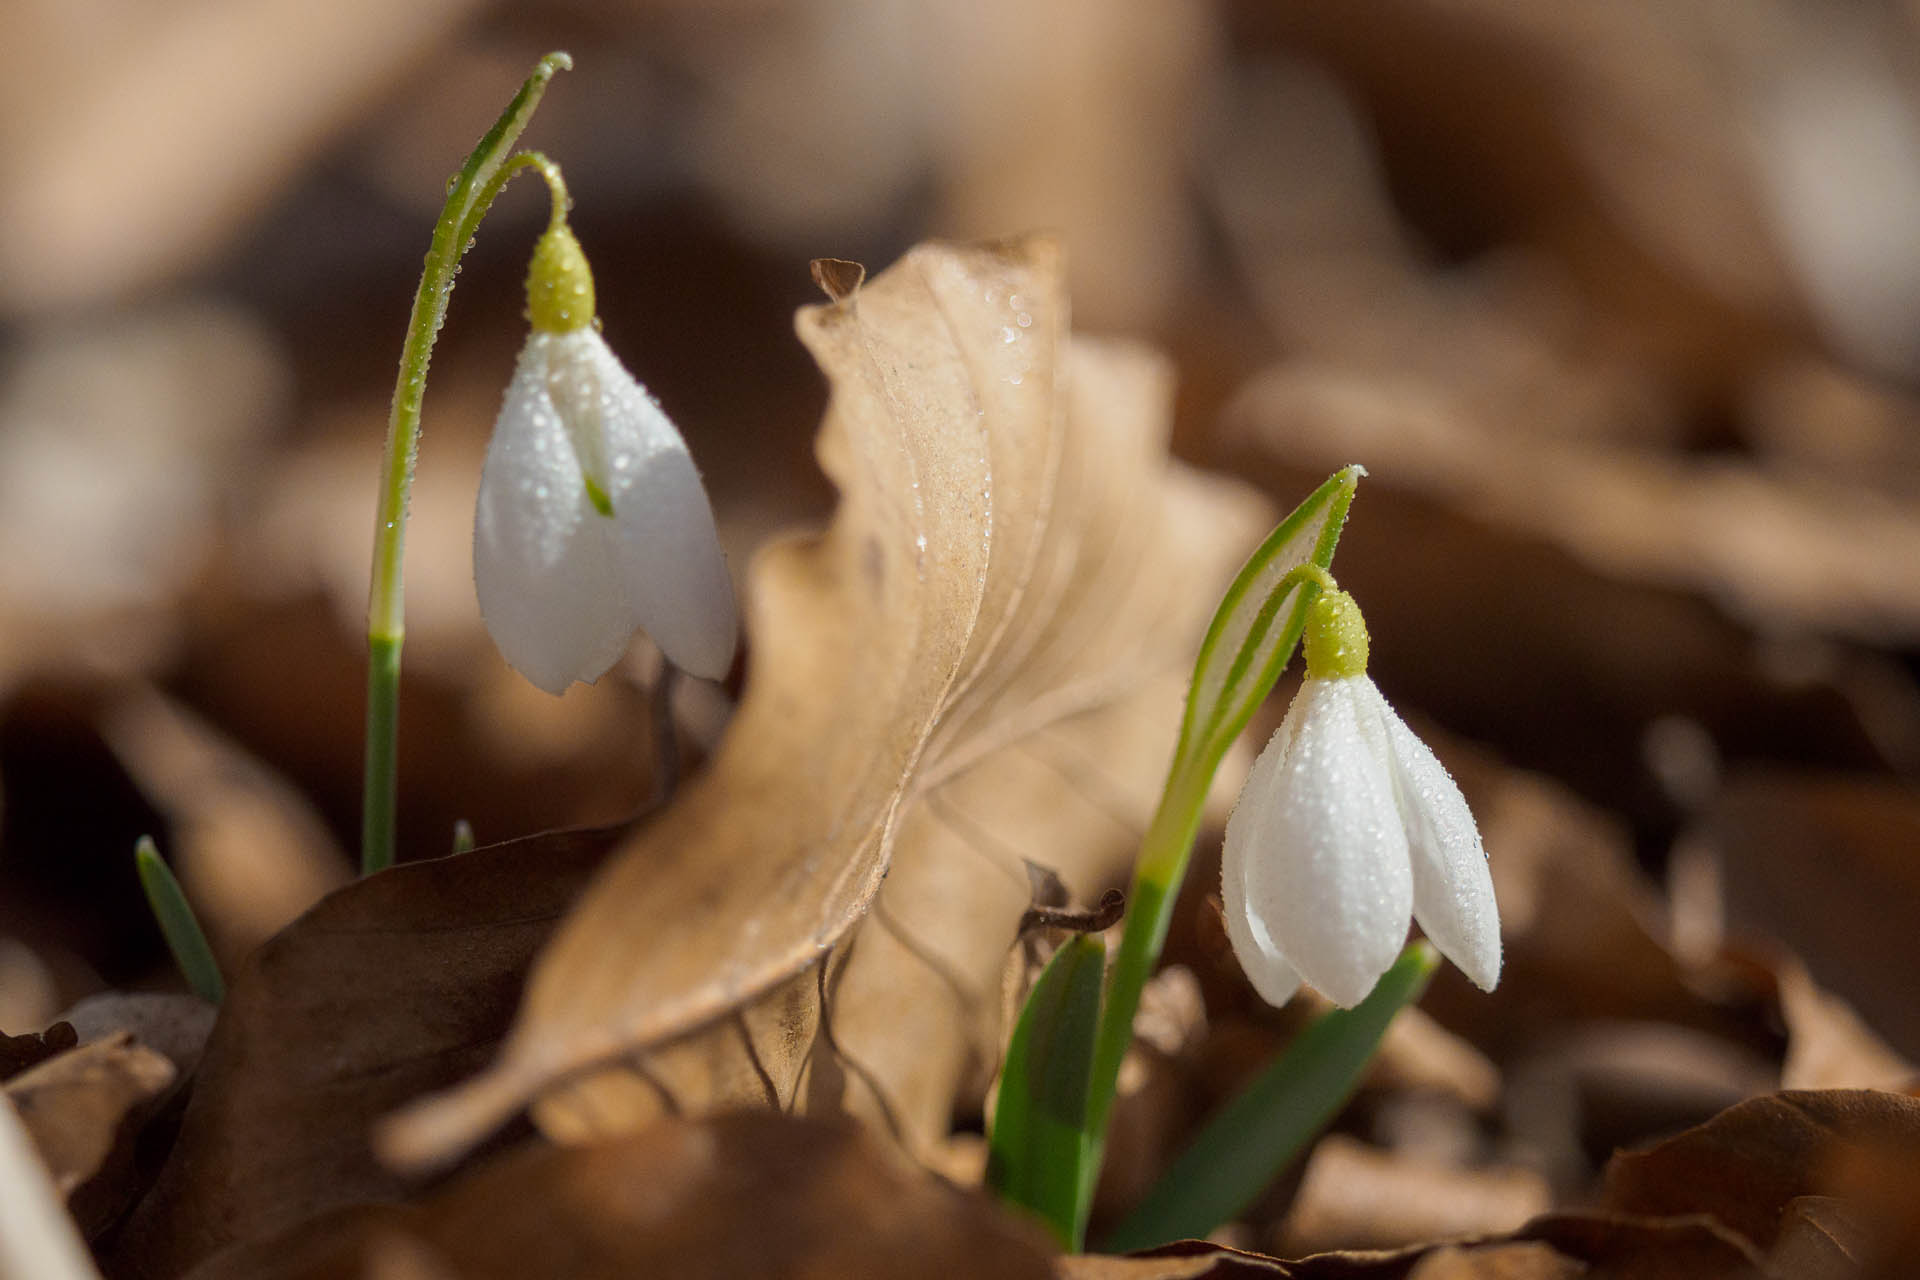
(1040, 1141)
(1250, 1140)
(178, 925)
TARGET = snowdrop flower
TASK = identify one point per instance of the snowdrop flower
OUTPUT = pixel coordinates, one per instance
(591, 522)
(1348, 824)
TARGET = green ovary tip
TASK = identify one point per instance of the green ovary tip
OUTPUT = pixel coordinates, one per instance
(1336, 637)
(559, 283)
(598, 496)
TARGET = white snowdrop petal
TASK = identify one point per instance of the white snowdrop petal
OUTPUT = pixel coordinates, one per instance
(1266, 968)
(1331, 881)
(544, 601)
(1452, 887)
(662, 535)
(563, 587)
(1260, 958)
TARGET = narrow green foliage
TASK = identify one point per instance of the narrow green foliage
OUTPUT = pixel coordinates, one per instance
(462, 836)
(1039, 1140)
(178, 925)
(468, 196)
(1250, 1140)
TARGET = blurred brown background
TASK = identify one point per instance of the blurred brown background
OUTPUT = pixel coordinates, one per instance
(1617, 303)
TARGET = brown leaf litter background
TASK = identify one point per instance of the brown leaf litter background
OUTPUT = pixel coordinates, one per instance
(1617, 306)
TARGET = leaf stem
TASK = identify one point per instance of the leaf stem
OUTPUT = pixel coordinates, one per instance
(468, 197)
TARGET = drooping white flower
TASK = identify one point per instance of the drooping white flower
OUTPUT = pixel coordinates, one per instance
(592, 522)
(1347, 825)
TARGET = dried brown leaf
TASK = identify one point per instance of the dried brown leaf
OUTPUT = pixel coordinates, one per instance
(1187, 1260)
(1821, 1238)
(397, 984)
(1622, 1247)
(1868, 1211)
(979, 661)
(84, 1109)
(1555, 1247)
(1522, 1260)
(749, 1194)
(1746, 1165)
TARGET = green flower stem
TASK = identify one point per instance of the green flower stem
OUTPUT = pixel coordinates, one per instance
(178, 925)
(1217, 711)
(468, 197)
(383, 743)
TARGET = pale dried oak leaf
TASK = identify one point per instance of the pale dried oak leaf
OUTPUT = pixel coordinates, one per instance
(981, 659)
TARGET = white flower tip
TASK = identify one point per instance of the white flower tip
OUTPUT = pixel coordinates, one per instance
(1487, 977)
(704, 645)
(1482, 963)
(1271, 976)
(1352, 976)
